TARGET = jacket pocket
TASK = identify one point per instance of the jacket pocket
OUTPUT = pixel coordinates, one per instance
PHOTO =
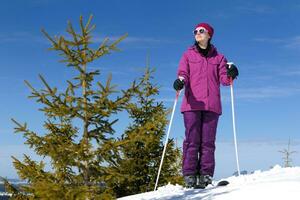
(213, 66)
(196, 66)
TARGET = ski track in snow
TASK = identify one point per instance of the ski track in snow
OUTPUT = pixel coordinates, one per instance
(275, 184)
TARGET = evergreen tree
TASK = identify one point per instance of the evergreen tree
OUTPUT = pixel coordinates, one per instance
(79, 154)
(142, 146)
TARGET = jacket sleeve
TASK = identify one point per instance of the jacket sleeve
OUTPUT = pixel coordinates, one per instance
(183, 69)
(224, 79)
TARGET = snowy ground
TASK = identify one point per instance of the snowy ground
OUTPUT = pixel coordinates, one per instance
(277, 183)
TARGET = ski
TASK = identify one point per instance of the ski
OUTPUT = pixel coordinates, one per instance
(222, 183)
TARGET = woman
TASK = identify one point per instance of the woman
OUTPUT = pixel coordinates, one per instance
(201, 71)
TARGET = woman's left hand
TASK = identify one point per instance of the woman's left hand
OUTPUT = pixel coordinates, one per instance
(232, 71)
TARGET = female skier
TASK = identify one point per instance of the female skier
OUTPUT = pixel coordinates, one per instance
(201, 71)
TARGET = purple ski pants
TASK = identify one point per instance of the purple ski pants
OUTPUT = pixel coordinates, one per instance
(199, 142)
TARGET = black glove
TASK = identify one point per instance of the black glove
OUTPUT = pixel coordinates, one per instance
(232, 72)
(178, 84)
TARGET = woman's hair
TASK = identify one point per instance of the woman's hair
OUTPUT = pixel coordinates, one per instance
(197, 46)
(208, 43)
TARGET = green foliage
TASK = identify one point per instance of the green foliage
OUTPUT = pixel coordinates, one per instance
(79, 156)
(142, 145)
(87, 161)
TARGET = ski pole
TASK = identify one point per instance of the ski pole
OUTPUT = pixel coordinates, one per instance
(167, 138)
(233, 123)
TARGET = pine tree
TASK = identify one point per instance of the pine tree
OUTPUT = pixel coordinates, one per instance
(79, 154)
(142, 146)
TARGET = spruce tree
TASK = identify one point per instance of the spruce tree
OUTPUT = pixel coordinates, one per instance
(80, 153)
(143, 143)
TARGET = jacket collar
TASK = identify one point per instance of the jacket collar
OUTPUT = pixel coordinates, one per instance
(211, 52)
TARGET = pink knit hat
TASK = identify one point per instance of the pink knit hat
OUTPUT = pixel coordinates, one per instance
(209, 28)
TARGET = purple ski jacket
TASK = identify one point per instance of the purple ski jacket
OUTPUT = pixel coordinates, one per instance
(202, 79)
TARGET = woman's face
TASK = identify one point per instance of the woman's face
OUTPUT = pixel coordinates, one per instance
(201, 35)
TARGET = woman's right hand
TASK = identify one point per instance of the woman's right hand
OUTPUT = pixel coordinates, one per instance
(178, 84)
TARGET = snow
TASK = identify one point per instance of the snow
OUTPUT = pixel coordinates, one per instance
(4, 194)
(277, 183)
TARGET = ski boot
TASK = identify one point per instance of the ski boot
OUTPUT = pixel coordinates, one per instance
(190, 181)
(203, 181)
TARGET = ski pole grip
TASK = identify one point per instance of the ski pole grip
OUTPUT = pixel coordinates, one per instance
(229, 66)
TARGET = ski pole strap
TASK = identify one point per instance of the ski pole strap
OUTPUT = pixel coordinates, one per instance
(177, 94)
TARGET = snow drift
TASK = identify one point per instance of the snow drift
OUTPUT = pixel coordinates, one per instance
(276, 183)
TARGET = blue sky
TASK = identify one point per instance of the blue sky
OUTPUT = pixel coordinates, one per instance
(261, 37)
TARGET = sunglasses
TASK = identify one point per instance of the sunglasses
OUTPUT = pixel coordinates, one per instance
(201, 31)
